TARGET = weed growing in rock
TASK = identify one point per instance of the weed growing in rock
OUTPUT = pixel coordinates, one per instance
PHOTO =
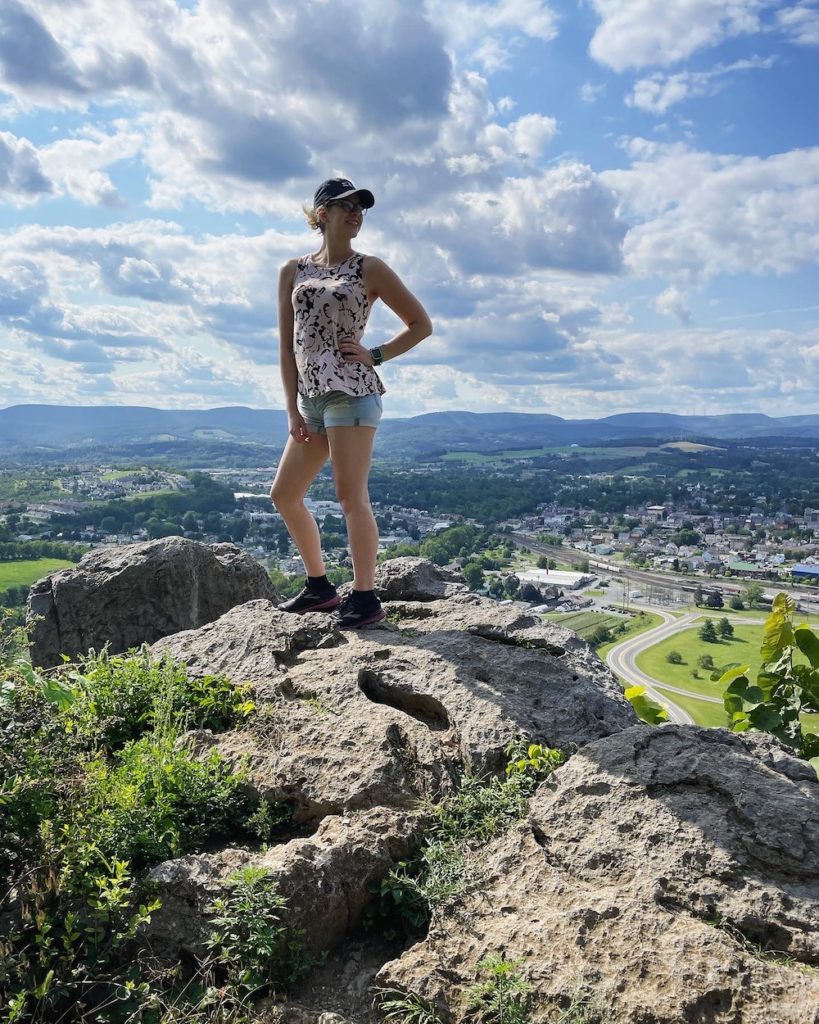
(448, 864)
(251, 946)
(398, 1007)
(117, 697)
(502, 996)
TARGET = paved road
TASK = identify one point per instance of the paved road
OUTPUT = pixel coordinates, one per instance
(622, 659)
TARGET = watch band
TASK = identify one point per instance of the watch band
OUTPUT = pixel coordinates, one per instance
(378, 356)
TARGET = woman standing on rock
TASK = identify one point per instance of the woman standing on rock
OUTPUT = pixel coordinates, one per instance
(333, 392)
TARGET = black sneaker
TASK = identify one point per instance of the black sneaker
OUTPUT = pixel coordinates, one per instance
(353, 614)
(310, 601)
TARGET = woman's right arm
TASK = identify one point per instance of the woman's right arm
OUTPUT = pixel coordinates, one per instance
(287, 358)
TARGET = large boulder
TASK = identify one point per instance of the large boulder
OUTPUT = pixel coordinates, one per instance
(391, 715)
(673, 873)
(325, 879)
(416, 579)
(134, 594)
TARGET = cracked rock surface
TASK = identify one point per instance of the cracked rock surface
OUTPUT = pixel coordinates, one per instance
(387, 716)
(673, 871)
(134, 594)
(325, 879)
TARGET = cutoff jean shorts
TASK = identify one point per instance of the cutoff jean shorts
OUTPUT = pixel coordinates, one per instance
(338, 409)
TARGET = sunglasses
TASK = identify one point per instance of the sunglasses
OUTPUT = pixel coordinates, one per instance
(349, 206)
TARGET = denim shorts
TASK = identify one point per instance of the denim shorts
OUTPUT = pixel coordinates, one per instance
(338, 409)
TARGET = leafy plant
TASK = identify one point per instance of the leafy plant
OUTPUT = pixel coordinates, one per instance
(82, 810)
(251, 945)
(117, 697)
(502, 996)
(448, 864)
(783, 688)
(398, 1007)
(647, 710)
(674, 658)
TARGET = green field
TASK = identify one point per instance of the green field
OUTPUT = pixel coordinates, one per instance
(26, 572)
(640, 623)
(742, 649)
(703, 712)
(583, 623)
(533, 453)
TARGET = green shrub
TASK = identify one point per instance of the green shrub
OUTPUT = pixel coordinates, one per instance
(783, 688)
(251, 947)
(154, 801)
(83, 808)
(448, 863)
(674, 658)
(117, 697)
(502, 996)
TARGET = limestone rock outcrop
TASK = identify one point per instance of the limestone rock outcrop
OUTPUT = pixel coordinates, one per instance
(325, 879)
(392, 714)
(416, 579)
(673, 872)
(134, 594)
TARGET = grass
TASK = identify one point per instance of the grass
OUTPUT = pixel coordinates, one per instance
(118, 474)
(584, 623)
(703, 712)
(531, 453)
(28, 571)
(641, 623)
(742, 648)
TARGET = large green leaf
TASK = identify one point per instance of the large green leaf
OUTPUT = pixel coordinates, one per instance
(647, 710)
(767, 682)
(733, 703)
(777, 635)
(735, 678)
(783, 604)
(765, 718)
(753, 695)
(59, 693)
(815, 762)
(808, 643)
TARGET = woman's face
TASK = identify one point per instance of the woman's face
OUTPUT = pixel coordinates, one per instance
(344, 216)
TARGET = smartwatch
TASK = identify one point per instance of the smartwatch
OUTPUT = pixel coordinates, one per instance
(378, 356)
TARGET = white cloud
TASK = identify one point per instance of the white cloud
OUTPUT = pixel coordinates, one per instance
(22, 176)
(801, 23)
(641, 33)
(591, 93)
(563, 218)
(674, 303)
(659, 92)
(487, 34)
(704, 214)
(78, 164)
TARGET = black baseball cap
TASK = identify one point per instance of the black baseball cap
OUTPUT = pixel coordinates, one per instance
(341, 188)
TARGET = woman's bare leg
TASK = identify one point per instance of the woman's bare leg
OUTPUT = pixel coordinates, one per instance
(351, 453)
(299, 466)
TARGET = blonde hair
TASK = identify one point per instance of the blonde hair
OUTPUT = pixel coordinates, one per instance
(312, 218)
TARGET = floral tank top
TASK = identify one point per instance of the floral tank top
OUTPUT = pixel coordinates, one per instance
(330, 304)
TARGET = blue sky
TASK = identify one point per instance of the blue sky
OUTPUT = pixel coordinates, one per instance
(607, 206)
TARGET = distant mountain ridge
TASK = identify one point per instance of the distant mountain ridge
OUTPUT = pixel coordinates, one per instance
(64, 427)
